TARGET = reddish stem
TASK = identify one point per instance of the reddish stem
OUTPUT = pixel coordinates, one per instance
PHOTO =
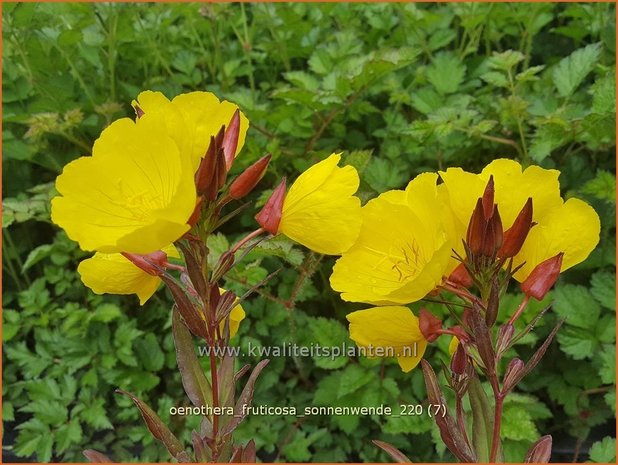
(246, 239)
(460, 419)
(495, 442)
(520, 309)
(215, 398)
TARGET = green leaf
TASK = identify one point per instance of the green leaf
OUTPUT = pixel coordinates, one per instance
(607, 372)
(406, 424)
(577, 305)
(604, 94)
(517, 424)
(576, 342)
(95, 415)
(603, 288)
(107, 312)
(353, 378)
(331, 334)
(70, 433)
(446, 72)
(149, 352)
(603, 451)
(506, 60)
(571, 71)
(495, 78)
(603, 186)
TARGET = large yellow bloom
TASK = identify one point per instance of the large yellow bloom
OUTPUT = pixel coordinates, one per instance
(403, 250)
(192, 118)
(389, 331)
(571, 227)
(320, 210)
(134, 194)
(115, 274)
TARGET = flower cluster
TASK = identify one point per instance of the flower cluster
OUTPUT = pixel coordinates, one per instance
(451, 229)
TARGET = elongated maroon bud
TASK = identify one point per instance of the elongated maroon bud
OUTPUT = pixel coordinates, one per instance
(540, 452)
(512, 374)
(153, 263)
(197, 211)
(429, 325)
(248, 179)
(459, 360)
(493, 303)
(488, 198)
(543, 277)
(270, 215)
(206, 169)
(505, 336)
(476, 229)
(230, 139)
(515, 236)
(461, 276)
(492, 241)
(138, 111)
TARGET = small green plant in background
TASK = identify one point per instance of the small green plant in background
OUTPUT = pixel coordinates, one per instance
(405, 88)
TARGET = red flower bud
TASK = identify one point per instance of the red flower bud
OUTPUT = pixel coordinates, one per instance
(270, 215)
(429, 325)
(484, 235)
(515, 236)
(505, 336)
(206, 169)
(540, 452)
(476, 229)
(153, 263)
(461, 276)
(230, 139)
(512, 374)
(543, 277)
(138, 111)
(488, 198)
(249, 178)
(493, 234)
(460, 333)
(459, 360)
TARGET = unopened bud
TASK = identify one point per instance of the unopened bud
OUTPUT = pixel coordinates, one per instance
(492, 241)
(505, 336)
(153, 263)
(476, 229)
(461, 276)
(429, 325)
(515, 236)
(540, 452)
(197, 211)
(488, 198)
(206, 169)
(513, 374)
(249, 178)
(270, 215)
(543, 277)
(230, 139)
(138, 110)
(459, 360)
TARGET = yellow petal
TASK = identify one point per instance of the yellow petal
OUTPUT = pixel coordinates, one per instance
(192, 118)
(237, 314)
(452, 347)
(388, 331)
(320, 210)
(114, 274)
(135, 194)
(572, 228)
(397, 258)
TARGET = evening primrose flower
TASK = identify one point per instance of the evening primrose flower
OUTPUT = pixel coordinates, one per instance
(134, 194)
(116, 274)
(570, 227)
(192, 119)
(404, 247)
(389, 331)
(320, 210)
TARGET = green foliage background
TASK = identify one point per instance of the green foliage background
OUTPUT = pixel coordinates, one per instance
(400, 88)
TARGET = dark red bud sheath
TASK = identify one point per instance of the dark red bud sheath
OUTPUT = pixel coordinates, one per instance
(505, 336)
(249, 178)
(461, 276)
(540, 452)
(512, 374)
(488, 198)
(206, 169)
(153, 263)
(459, 360)
(230, 139)
(476, 229)
(493, 234)
(270, 215)
(543, 277)
(460, 333)
(197, 211)
(429, 325)
(219, 176)
(515, 236)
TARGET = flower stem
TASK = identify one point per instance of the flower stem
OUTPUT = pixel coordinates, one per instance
(246, 239)
(495, 442)
(520, 309)
(215, 398)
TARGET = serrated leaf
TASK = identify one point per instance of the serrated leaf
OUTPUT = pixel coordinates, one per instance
(353, 378)
(577, 305)
(149, 352)
(517, 424)
(70, 433)
(603, 186)
(604, 94)
(506, 60)
(572, 70)
(603, 288)
(576, 342)
(603, 451)
(446, 72)
(406, 424)
(607, 372)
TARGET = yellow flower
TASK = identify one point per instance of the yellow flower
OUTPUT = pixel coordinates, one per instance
(134, 194)
(236, 316)
(403, 250)
(115, 274)
(320, 210)
(388, 332)
(571, 227)
(192, 118)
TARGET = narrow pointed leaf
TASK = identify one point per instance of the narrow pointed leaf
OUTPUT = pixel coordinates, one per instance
(482, 423)
(392, 451)
(96, 457)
